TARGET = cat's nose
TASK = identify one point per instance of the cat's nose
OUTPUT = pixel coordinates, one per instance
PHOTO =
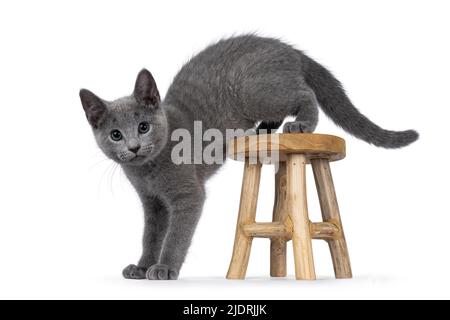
(134, 149)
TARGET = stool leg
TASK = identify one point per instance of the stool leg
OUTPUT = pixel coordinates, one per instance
(298, 210)
(247, 213)
(330, 213)
(278, 245)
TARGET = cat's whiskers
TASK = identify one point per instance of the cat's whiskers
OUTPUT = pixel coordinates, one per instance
(111, 179)
(104, 174)
(97, 163)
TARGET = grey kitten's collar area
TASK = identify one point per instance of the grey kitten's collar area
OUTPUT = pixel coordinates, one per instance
(148, 164)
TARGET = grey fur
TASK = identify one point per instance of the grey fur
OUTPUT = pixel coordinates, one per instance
(234, 83)
(335, 103)
(266, 126)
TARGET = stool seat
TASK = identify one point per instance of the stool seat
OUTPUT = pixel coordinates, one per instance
(261, 147)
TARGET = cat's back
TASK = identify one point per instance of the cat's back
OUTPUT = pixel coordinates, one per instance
(230, 50)
(217, 84)
(229, 58)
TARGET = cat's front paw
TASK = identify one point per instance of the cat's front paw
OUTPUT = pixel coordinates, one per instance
(134, 272)
(162, 272)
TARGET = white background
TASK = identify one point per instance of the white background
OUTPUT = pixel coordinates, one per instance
(69, 221)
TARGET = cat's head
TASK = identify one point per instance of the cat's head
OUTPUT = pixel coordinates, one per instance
(130, 130)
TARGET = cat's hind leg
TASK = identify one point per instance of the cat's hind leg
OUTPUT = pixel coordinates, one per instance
(307, 115)
(268, 127)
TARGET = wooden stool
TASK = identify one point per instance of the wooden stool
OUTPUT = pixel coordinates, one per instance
(291, 153)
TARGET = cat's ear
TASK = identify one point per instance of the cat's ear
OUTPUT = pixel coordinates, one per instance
(145, 90)
(93, 106)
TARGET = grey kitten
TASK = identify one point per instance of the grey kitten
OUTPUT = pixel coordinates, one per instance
(235, 83)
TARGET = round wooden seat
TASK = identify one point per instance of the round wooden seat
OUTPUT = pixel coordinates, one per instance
(263, 148)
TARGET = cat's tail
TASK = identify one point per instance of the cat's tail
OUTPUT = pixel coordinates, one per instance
(336, 105)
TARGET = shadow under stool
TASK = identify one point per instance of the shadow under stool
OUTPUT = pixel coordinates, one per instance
(290, 153)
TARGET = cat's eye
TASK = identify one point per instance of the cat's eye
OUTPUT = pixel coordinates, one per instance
(116, 135)
(144, 127)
